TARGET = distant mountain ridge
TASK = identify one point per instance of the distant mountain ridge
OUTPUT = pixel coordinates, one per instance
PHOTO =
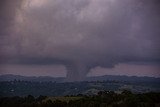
(11, 77)
(124, 78)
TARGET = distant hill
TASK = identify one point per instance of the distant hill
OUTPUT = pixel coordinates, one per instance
(16, 85)
(10, 77)
(124, 78)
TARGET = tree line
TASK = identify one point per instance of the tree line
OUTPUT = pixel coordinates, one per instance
(102, 99)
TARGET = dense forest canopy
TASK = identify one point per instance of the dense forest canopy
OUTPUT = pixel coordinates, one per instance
(102, 99)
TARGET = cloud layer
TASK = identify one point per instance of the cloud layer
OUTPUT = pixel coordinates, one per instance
(80, 34)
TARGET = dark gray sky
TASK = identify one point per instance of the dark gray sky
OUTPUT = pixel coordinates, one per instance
(75, 38)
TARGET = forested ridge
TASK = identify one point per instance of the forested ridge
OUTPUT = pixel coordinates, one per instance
(24, 88)
(102, 99)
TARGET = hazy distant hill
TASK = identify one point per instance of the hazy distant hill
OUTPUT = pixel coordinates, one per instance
(15, 85)
(10, 77)
(124, 78)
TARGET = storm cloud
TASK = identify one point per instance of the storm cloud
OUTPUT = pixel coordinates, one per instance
(80, 34)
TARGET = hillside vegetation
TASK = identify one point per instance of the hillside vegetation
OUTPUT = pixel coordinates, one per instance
(102, 99)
